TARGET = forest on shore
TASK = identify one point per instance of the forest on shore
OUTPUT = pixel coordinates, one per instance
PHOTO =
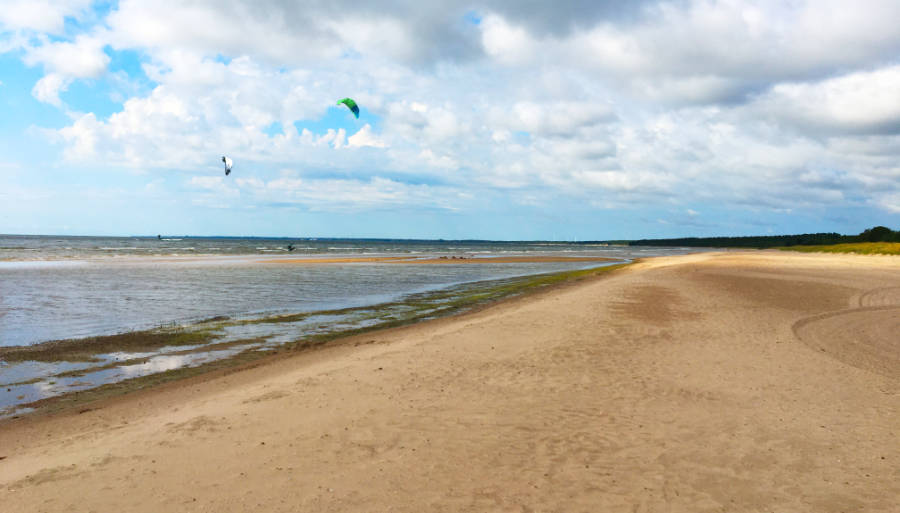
(875, 234)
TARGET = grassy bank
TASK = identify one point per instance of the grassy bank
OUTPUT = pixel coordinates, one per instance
(862, 248)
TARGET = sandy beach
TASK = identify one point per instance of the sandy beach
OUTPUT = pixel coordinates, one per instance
(434, 260)
(735, 381)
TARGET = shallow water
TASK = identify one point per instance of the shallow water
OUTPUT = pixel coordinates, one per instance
(66, 288)
(93, 298)
(41, 247)
(69, 287)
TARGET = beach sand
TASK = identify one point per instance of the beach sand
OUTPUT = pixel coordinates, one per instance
(436, 260)
(735, 381)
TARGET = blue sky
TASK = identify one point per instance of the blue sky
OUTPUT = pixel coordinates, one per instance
(478, 120)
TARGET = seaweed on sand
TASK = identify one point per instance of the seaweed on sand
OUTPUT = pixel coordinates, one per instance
(87, 349)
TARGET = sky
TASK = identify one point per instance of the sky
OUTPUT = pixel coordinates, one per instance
(490, 119)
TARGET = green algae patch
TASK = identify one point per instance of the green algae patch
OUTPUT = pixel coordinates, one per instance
(859, 248)
(137, 361)
(87, 349)
(73, 399)
(420, 307)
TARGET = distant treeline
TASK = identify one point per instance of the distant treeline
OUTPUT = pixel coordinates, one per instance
(876, 234)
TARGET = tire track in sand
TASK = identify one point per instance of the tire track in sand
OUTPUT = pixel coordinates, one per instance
(867, 337)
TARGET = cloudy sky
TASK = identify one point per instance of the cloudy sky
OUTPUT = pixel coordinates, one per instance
(502, 119)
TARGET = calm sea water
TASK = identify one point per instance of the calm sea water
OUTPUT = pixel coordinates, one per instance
(54, 288)
(71, 287)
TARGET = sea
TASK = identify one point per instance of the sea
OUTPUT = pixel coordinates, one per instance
(65, 287)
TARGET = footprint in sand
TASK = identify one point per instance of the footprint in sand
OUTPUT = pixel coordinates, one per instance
(196, 425)
(268, 396)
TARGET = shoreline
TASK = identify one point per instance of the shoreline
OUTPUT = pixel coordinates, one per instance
(201, 337)
(705, 382)
(409, 260)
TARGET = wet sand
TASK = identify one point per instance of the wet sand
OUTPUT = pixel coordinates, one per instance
(740, 381)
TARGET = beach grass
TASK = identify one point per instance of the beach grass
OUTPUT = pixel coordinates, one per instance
(861, 248)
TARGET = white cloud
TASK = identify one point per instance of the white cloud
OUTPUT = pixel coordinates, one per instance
(46, 16)
(621, 181)
(769, 104)
(83, 58)
(47, 89)
(709, 52)
(81, 137)
(890, 202)
(861, 102)
(63, 62)
(417, 120)
(562, 118)
(352, 195)
(233, 28)
(434, 160)
(365, 137)
(508, 43)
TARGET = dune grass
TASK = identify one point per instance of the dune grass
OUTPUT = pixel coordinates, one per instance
(861, 248)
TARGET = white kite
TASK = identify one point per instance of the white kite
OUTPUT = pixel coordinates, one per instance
(227, 162)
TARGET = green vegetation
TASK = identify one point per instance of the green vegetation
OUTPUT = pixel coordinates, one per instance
(73, 399)
(862, 248)
(428, 305)
(87, 349)
(876, 234)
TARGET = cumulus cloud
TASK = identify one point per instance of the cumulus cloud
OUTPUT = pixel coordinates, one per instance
(47, 89)
(347, 194)
(268, 30)
(861, 102)
(83, 58)
(708, 51)
(47, 16)
(890, 202)
(365, 137)
(64, 62)
(508, 43)
(562, 118)
(768, 105)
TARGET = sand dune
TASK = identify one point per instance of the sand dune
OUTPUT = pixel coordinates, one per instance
(739, 382)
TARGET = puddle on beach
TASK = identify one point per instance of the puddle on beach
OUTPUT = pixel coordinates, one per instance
(26, 381)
